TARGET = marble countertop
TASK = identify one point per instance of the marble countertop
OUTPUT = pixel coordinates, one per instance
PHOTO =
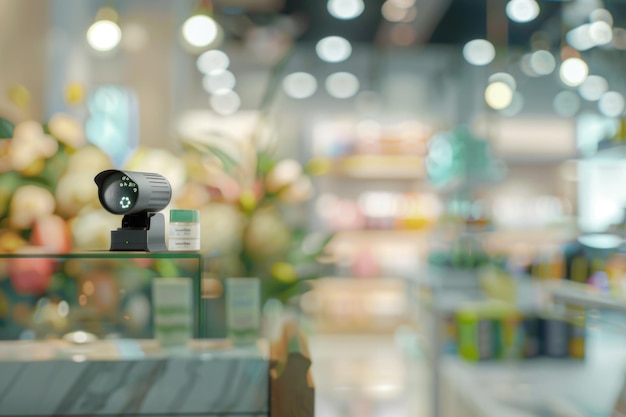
(133, 377)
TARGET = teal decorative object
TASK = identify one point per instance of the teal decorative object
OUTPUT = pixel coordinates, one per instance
(458, 158)
(113, 125)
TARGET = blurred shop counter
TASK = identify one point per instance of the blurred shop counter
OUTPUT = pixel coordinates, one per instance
(133, 377)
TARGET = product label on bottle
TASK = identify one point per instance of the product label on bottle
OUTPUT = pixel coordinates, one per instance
(191, 230)
(178, 244)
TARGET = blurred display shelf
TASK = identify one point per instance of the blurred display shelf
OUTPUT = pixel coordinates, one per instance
(543, 386)
(537, 159)
(584, 295)
(501, 237)
(367, 167)
(539, 386)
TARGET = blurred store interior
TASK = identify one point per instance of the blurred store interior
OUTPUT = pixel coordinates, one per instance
(433, 189)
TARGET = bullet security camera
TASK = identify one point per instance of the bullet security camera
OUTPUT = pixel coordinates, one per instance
(139, 196)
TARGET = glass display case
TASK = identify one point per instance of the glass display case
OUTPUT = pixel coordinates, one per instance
(107, 294)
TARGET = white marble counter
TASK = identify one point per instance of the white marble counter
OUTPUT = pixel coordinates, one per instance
(130, 377)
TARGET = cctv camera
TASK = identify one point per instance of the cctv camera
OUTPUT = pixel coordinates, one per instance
(138, 196)
(127, 192)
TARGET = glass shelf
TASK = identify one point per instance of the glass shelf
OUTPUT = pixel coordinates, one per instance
(105, 255)
(109, 294)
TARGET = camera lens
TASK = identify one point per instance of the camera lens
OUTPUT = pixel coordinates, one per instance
(120, 193)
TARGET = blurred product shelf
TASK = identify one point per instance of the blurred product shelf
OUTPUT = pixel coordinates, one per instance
(392, 167)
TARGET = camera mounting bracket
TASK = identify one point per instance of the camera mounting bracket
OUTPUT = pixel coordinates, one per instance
(140, 232)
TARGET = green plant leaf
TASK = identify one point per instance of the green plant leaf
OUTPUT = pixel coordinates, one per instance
(6, 129)
(205, 149)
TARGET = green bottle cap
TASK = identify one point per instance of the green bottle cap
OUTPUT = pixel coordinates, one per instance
(184, 216)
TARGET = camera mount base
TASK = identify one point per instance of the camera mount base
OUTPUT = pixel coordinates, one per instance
(140, 232)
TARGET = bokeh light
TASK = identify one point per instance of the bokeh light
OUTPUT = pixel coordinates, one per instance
(221, 81)
(566, 103)
(200, 31)
(522, 11)
(504, 77)
(479, 52)
(574, 72)
(299, 85)
(498, 95)
(403, 4)
(611, 104)
(516, 106)
(104, 35)
(342, 85)
(542, 62)
(601, 33)
(393, 12)
(601, 15)
(333, 49)
(593, 88)
(345, 9)
(225, 103)
(580, 38)
(212, 60)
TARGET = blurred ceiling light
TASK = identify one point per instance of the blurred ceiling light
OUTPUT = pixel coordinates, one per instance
(345, 9)
(593, 88)
(300, 85)
(522, 11)
(505, 78)
(213, 60)
(200, 30)
(392, 12)
(479, 52)
(216, 82)
(601, 33)
(516, 106)
(498, 95)
(403, 4)
(526, 67)
(574, 72)
(403, 34)
(104, 35)
(611, 104)
(580, 38)
(601, 15)
(542, 62)
(342, 85)
(333, 49)
(566, 103)
(225, 103)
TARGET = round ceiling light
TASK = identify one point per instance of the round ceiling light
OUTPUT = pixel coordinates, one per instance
(479, 52)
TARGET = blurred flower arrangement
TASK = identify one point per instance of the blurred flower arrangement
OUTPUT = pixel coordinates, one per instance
(252, 206)
(47, 197)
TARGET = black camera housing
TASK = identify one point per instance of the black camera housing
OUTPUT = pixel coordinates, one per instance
(138, 196)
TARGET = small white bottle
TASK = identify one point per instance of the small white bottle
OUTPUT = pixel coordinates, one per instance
(184, 230)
